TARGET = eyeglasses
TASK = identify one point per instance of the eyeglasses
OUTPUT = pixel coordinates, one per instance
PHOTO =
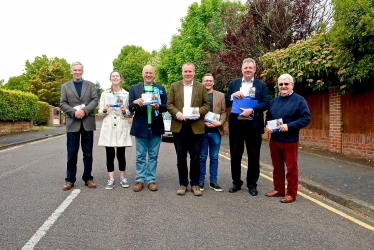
(281, 84)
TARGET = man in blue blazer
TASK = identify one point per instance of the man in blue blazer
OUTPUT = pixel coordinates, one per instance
(78, 101)
(147, 127)
(246, 127)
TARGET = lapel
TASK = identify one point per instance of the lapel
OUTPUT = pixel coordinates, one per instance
(181, 91)
(84, 88)
(194, 92)
(72, 88)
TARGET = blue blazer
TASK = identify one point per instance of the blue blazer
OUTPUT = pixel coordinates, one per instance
(261, 95)
(139, 126)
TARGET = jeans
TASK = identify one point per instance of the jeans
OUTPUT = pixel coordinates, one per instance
(72, 144)
(146, 172)
(212, 142)
(186, 141)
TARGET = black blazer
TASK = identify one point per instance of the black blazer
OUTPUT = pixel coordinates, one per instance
(261, 95)
(139, 126)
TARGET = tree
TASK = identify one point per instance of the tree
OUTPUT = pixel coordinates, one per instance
(46, 83)
(22, 82)
(98, 88)
(31, 68)
(17, 83)
(266, 26)
(1, 83)
(353, 37)
(130, 63)
(195, 42)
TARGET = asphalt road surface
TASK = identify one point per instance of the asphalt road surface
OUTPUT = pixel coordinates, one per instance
(36, 214)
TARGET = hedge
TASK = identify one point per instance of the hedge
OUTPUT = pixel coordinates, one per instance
(42, 117)
(16, 105)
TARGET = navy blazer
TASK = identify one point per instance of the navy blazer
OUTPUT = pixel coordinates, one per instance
(139, 126)
(261, 95)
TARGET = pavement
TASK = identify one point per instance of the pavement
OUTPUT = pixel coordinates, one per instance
(346, 180)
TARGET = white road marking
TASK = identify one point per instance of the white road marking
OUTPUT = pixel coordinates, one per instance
(51, 220)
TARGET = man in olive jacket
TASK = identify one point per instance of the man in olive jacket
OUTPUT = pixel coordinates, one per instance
(188, 133)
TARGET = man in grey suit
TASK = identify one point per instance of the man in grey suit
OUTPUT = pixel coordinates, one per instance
(78, 101)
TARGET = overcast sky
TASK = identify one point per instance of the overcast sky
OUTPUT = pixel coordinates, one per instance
(92, 32)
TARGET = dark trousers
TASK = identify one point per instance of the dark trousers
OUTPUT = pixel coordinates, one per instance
(72, 143)
(186, 141)
(110, 154)
(281, 154)
(244, 132)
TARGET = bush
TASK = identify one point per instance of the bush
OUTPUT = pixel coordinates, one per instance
(42, 117)
(17, 106)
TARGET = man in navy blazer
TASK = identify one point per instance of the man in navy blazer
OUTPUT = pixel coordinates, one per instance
(147, 127)
(247, 127)
(78, 101)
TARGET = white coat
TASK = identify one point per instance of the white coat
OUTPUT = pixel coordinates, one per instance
(115, 129)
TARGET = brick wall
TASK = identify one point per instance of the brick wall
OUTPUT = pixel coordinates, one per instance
(335, 140)
(7, 128)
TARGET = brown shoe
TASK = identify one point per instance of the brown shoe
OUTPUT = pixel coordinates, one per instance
(196, 191)
(274, 194)
(182, 190)
(138, 186)
(68, 186)
(152, 186)
(288, 199)
(91, 184)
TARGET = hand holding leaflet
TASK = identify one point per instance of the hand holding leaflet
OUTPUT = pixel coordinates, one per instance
(275, 124)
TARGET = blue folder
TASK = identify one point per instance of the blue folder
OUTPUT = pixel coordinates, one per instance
(242, 103)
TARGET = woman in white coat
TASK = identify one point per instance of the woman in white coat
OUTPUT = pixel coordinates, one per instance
(115, 129)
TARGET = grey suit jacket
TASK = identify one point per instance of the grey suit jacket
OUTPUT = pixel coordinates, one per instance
(70, 99)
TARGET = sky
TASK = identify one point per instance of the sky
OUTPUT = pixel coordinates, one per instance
(92, 32)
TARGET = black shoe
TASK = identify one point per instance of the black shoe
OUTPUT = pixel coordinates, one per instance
(253, 191)
(201, 186)
(234, 188)
(215, 186)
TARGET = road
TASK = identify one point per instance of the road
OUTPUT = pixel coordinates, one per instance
(36, 213)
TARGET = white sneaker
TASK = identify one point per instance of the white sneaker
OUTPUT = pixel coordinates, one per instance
(124, 183)
(111, 184)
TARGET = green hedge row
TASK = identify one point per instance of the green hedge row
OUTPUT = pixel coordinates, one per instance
(42, 117)
(17, 106)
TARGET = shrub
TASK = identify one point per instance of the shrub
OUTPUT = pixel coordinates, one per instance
(42, 117)
(17, 106)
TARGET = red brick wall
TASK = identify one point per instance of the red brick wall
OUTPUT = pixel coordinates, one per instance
(15, 127)
(335, 142)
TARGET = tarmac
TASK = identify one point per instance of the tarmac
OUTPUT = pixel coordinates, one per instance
(345, 180)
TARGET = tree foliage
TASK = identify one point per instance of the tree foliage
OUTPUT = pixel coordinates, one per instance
(195, 41)
(264, 27)
(22, 82)
(130, 63)
(312, 63)
(17, 83)
(353, 37)
(99, 90)
(46, 83)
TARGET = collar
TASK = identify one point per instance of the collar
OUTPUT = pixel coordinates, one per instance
(250, 81)
(79, 82)
(184, 84)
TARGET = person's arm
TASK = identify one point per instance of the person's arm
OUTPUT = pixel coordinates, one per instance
(304, 117)
(64, 103)
(264, 104)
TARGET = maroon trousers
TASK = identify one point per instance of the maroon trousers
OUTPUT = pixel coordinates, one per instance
(285, 153)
